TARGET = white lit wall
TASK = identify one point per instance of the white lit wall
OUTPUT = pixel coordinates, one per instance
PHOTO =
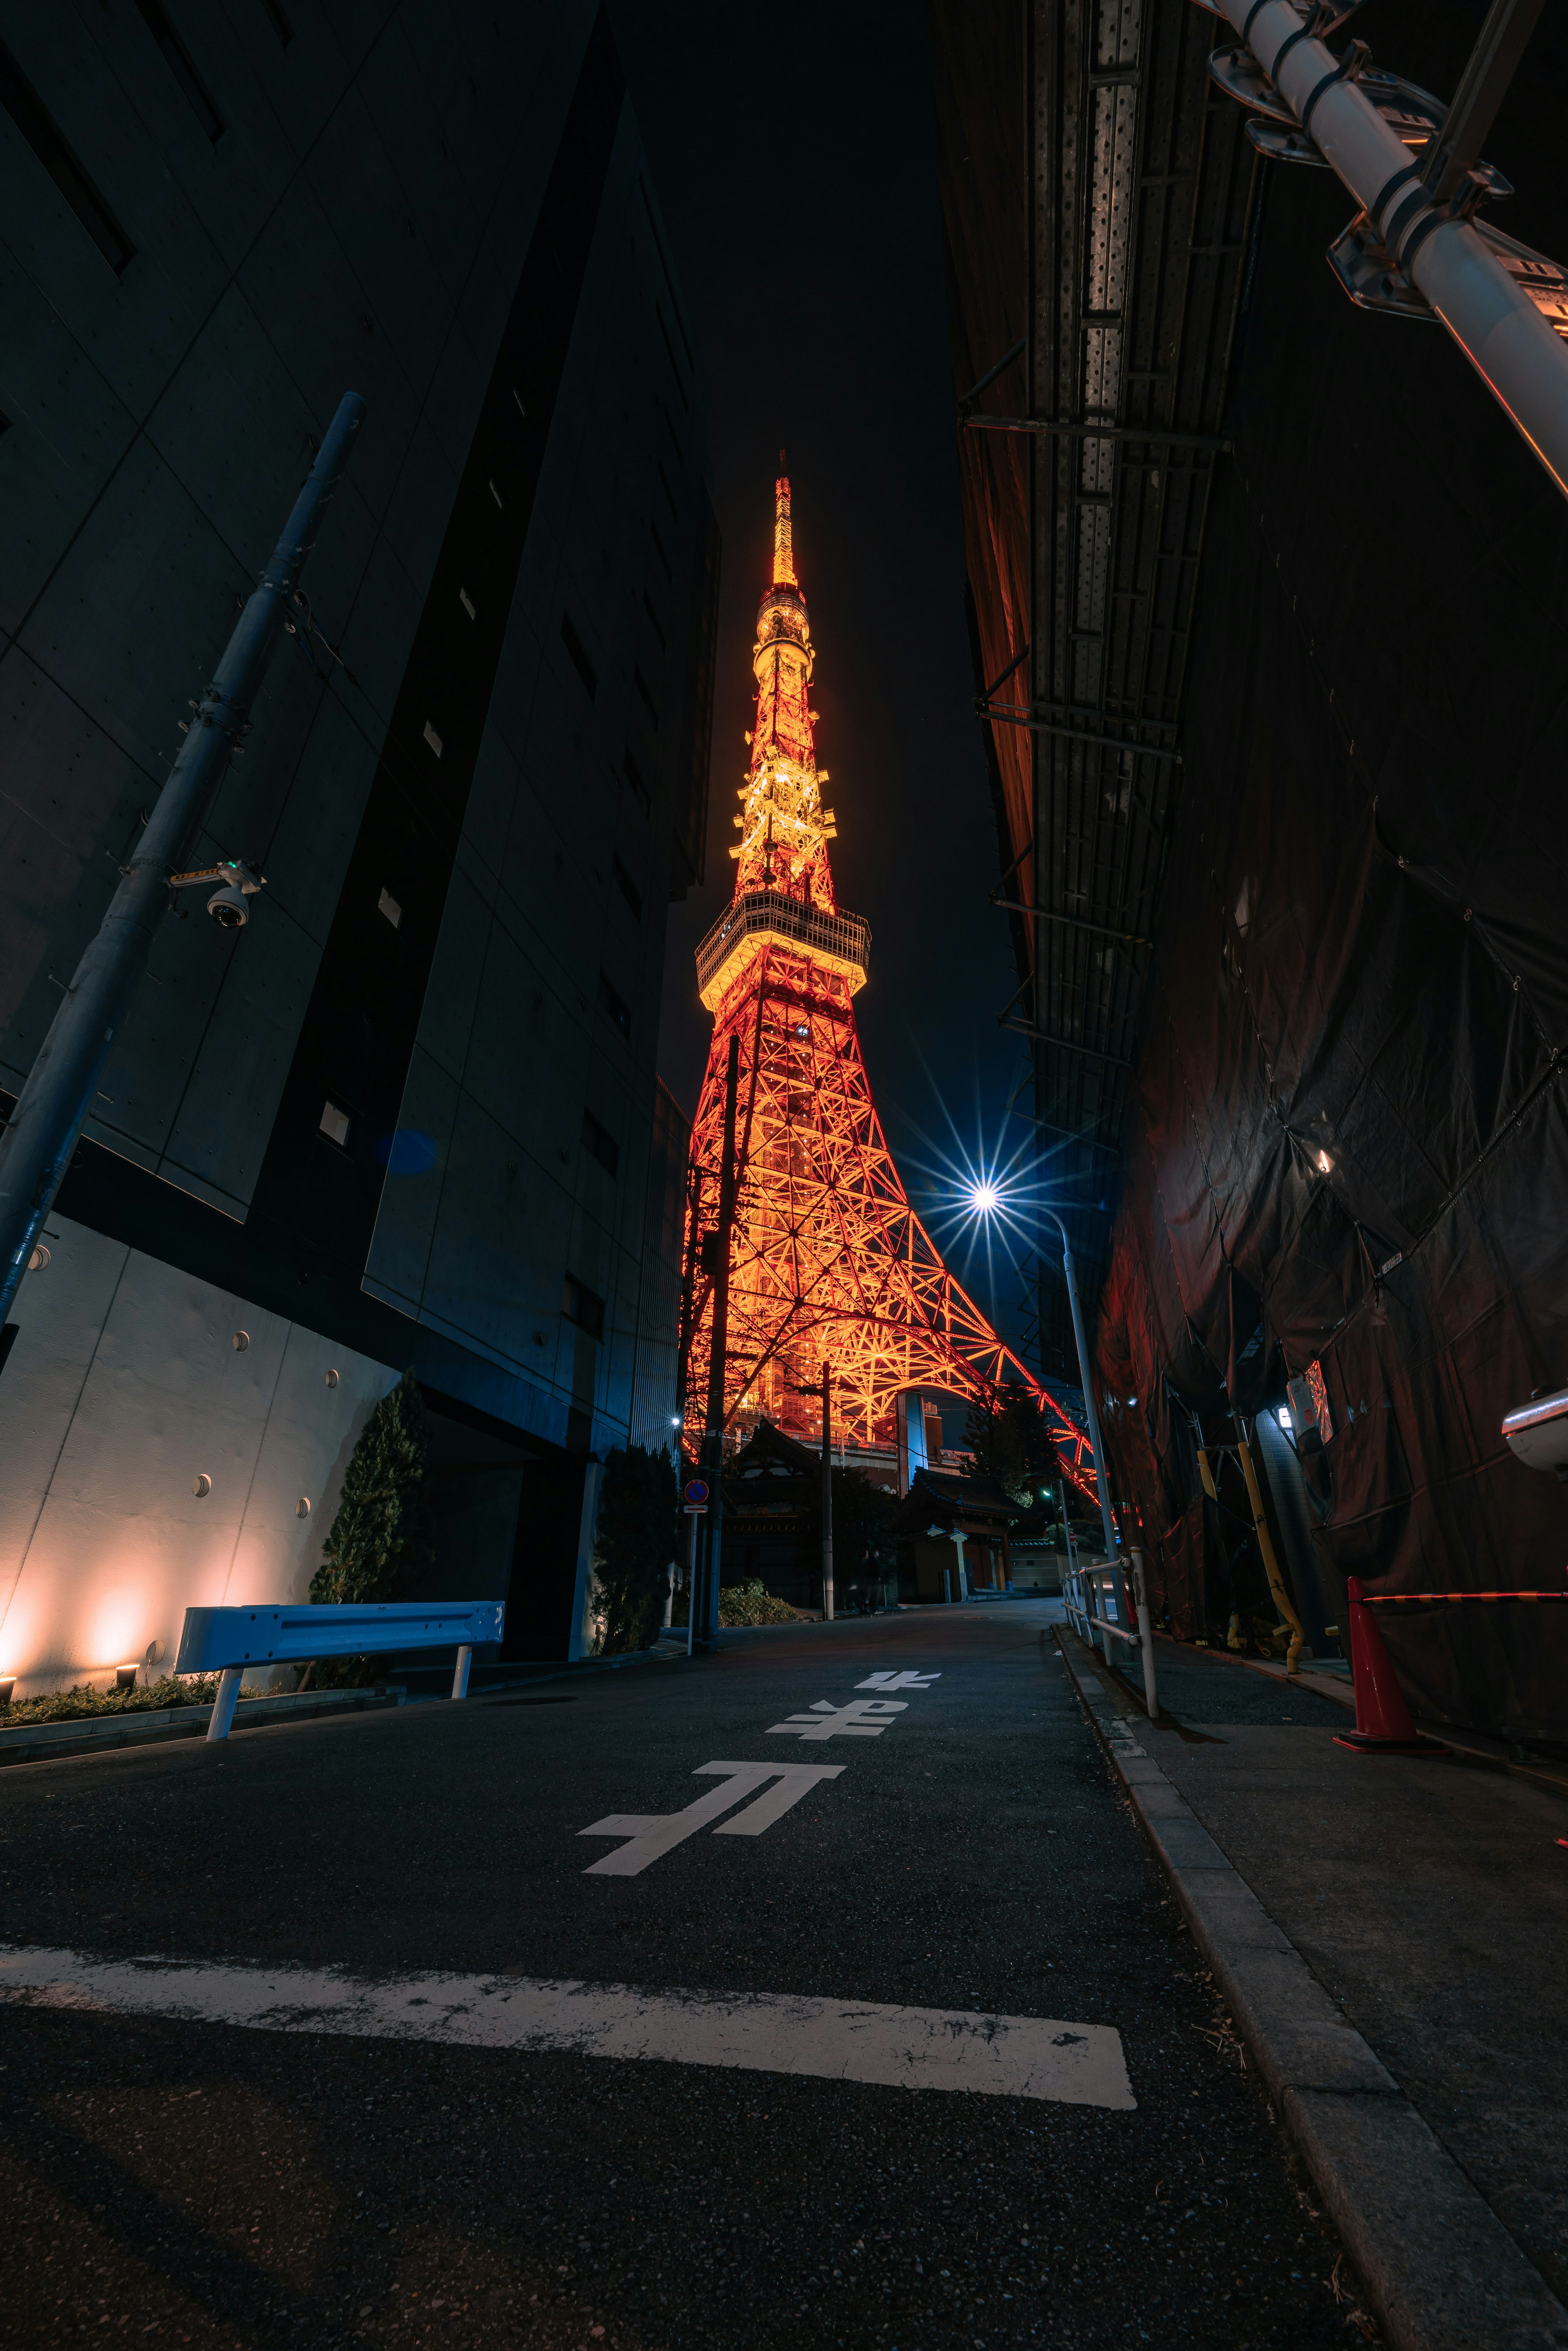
(123, 1388)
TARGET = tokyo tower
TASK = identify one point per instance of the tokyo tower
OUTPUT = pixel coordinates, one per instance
(828, 1263)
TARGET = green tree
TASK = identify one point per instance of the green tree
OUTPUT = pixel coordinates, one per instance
(862, 1529)
(1010, 1442)
(634, 1542)
(381, 1535)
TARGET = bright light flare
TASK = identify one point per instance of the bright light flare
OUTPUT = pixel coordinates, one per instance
(985, 1199)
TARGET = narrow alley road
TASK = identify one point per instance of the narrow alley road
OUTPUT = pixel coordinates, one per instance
(822, 1992)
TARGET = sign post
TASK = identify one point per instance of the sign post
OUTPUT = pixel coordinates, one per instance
(694, 1501)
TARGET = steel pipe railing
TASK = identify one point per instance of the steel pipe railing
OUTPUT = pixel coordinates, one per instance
(1082, 1587)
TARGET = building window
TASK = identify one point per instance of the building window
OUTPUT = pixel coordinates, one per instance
(583, 1306)
(335, 1124)
(433, 738)
(641, 685)
(602, 1143)
(391, 909)
(578, 651)
(616, 1006)
(183, 66)
(627, 887)
(467, 601)
(636, 778)
(44, 136)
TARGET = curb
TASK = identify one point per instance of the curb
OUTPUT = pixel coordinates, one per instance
(1442, 2272)
(99, 1734)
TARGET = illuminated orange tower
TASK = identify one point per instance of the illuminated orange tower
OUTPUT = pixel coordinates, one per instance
(828, 1262)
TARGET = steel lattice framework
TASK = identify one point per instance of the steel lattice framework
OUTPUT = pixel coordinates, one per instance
(828, 1262)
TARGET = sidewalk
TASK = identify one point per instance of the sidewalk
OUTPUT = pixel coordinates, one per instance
(1427, 1901)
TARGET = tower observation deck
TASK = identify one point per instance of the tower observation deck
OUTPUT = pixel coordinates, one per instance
(828, 1262)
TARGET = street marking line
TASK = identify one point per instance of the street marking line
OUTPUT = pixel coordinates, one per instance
(766, 2033)
(863, 1717)
(889, 1680)
(653, 1834)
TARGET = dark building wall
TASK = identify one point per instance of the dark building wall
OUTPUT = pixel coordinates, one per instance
(450, 213)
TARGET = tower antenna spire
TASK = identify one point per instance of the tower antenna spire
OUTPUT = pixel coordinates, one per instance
(783, 534)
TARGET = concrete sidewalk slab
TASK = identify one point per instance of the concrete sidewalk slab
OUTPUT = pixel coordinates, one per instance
(1444, 2271)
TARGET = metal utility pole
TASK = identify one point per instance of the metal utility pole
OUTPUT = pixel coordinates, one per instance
(713, 1435)
(827, 1497)
(36, 1146)
(1442, 266)
(1483, 86)
(1102, 1479)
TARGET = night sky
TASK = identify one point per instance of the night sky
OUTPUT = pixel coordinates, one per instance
(794, 162)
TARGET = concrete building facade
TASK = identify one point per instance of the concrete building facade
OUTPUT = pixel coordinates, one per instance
(410, 1114)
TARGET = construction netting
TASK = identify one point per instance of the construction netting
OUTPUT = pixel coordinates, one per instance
(1346, 1148)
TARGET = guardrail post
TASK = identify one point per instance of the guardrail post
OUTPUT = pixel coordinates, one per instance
(223, 1704)
(460, 1673)
(1145, 1633)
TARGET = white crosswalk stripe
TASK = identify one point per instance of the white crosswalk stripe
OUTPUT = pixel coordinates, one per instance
(769, 2033)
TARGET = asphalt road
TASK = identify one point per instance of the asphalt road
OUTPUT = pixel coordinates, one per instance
(215, 2184)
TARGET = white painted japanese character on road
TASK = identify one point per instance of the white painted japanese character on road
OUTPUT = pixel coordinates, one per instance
(863, 1717)
(653, 1834)
(888, 1681)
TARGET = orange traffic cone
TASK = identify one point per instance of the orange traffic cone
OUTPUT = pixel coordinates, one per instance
(1382, 1724)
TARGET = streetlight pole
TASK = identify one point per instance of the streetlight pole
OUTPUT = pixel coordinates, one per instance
(42, 1133)
(1100, 1479)
(827, 1498)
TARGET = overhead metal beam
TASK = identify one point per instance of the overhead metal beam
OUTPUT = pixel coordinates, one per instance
(1067, 1044)
(1078, 734)
(1016, 662)
(1154, 433)
(1074, 921)
(991, 374)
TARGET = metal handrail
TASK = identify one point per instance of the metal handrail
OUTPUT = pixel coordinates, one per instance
(1078, 1589)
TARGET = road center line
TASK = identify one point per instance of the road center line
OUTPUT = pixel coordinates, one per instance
(767, 2033)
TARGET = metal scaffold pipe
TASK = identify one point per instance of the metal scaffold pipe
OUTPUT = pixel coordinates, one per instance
(1490, 315)
(1101, 1478)
(36, 1146)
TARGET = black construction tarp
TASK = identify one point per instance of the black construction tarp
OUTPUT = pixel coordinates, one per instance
(1351, 1051)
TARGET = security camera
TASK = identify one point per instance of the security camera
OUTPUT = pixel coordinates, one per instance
(228, 905)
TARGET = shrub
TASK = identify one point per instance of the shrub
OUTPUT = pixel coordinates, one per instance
(753, 1603)
(81, 1700)
(634, 1543)
(381, 1535)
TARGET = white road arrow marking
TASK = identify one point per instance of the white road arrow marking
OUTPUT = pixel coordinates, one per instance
(889, 1680)
(653, 1834)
